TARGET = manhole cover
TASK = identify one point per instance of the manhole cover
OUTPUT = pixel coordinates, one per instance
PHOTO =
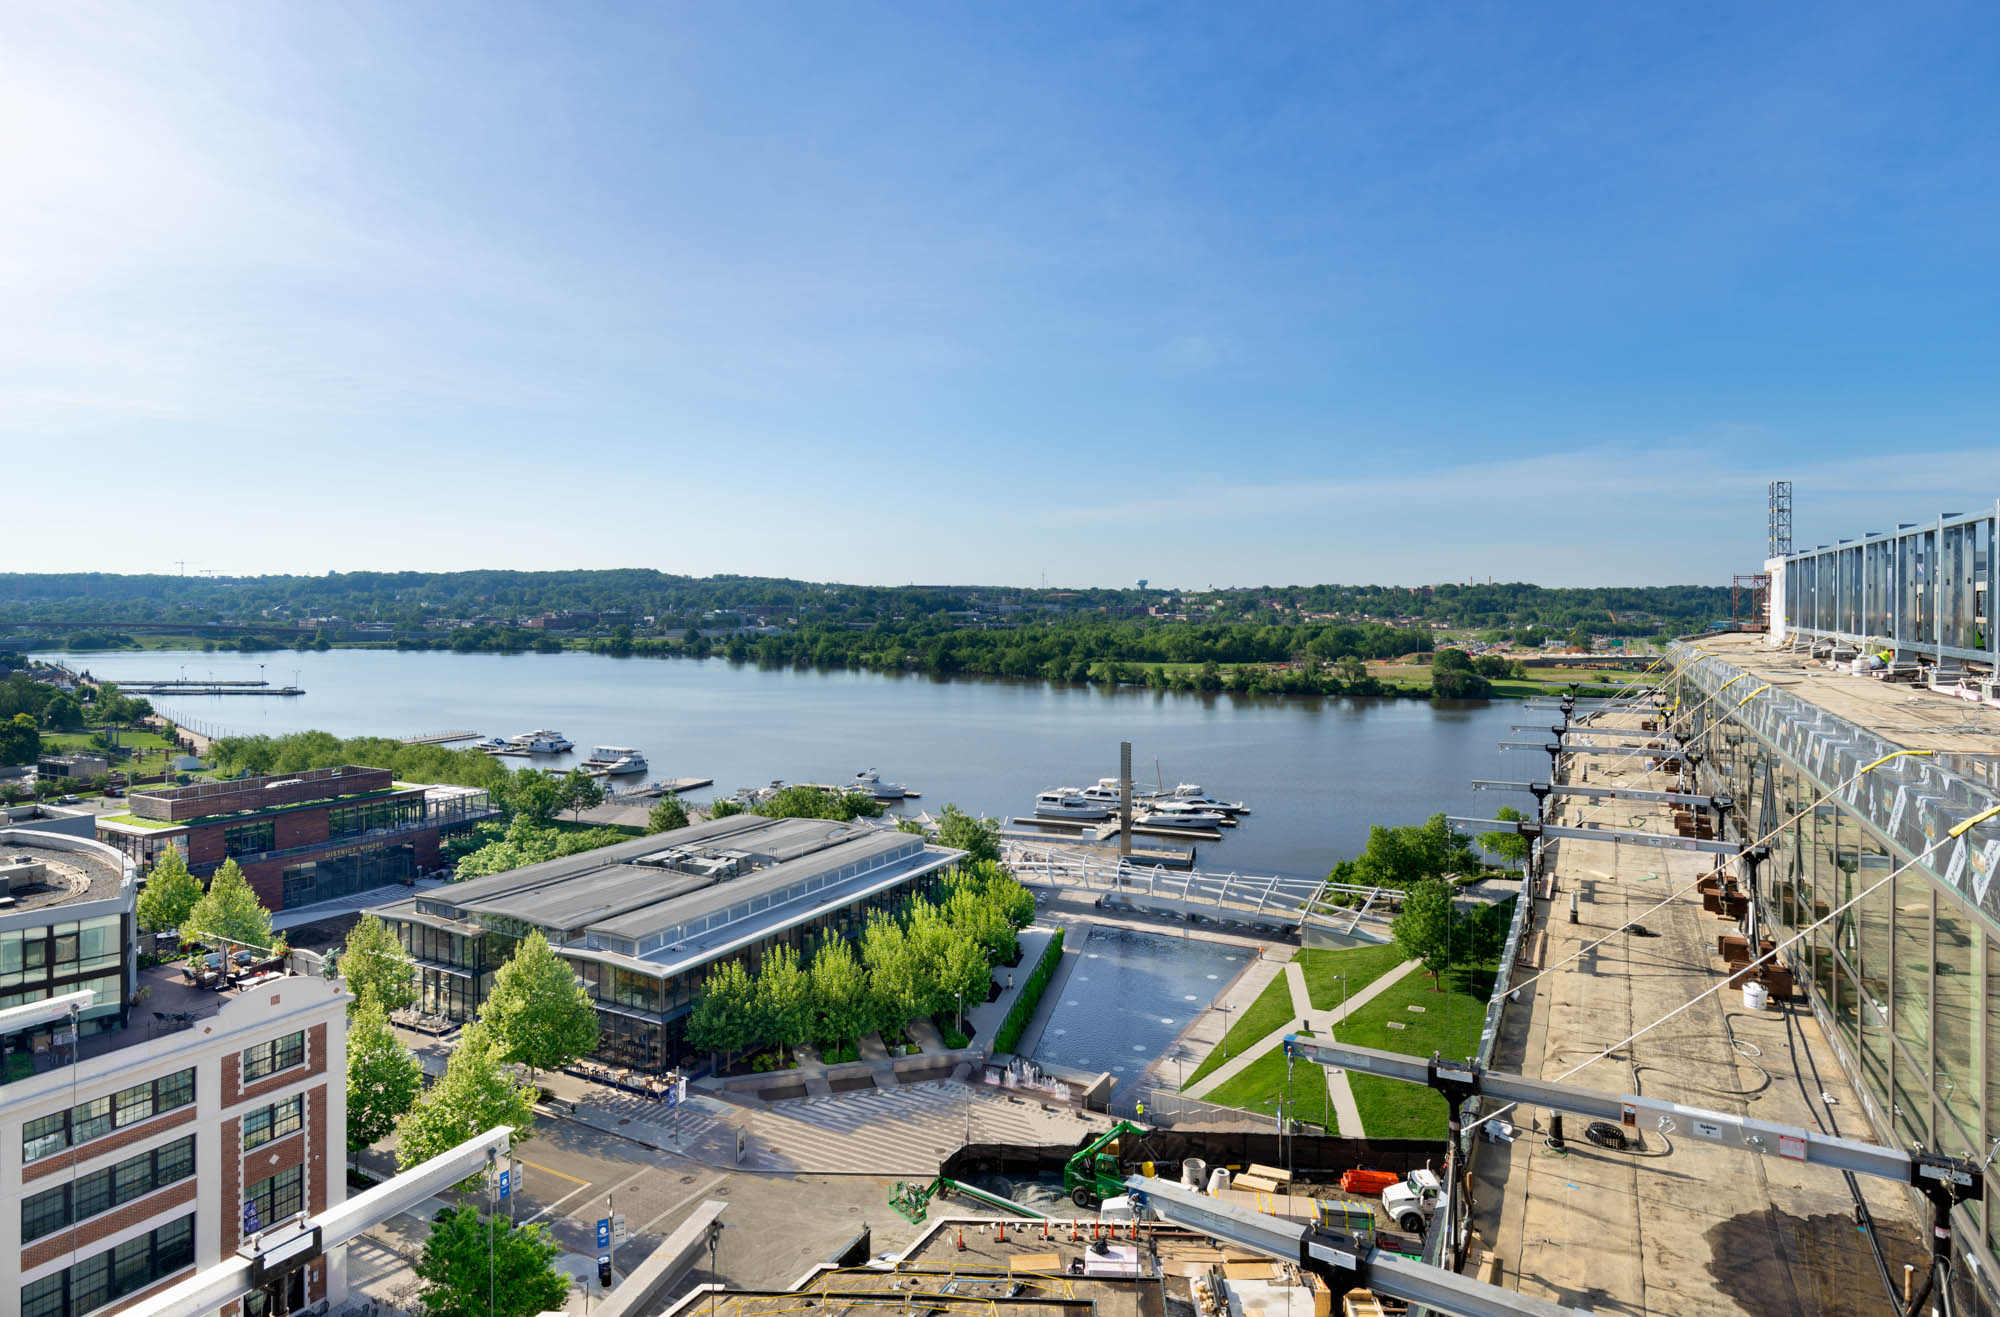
(687, 1179)
(624, 1120)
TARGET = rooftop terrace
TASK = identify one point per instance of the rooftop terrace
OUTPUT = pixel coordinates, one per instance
(39, 870)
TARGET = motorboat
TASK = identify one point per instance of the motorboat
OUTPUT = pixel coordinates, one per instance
(1166, 817)
(1069, 803)
(541, 742)
(491, 744)
(1191, 793)
(615, 760)
(869, 783)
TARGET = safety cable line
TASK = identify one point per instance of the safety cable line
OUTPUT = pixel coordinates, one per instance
(1952, 835)
(1675, 896)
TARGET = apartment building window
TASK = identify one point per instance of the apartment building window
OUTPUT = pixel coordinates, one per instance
(88, 1120)
(250, 838)
(278, 1054)
(101, 1190)
(111, 1275)
(273, 1122)
(275, 1197)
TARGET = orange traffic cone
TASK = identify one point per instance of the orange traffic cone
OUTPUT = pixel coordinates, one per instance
(1045, 1229)
(1000, 1231)
(1072, 1230)
(961, 1239)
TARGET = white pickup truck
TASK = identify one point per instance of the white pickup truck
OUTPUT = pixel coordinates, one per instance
(1411, 1200)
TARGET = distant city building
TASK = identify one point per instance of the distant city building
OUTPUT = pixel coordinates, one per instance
(299, 838)
(76, 767)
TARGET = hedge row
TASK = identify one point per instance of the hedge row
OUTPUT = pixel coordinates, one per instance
(1031, 996)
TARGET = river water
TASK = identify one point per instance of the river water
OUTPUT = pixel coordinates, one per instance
(1316, 773)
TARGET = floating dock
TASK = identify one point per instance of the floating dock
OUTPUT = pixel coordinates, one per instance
(209, 688)
(1166, 857)
(1108, 830)
(438, 738)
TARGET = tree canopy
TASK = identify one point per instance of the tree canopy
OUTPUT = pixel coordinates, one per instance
(1426, 928)
(472, 1096)
(229, 910)
(374, 963)
(666, 815)
(466, 1259)
(383, 1079)
(978, 838)
(1402, 857)
(1506, 844)
(538, 1012)
(171, 894)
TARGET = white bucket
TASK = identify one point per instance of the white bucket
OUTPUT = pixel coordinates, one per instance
(1755, 996)
(1193, 1171)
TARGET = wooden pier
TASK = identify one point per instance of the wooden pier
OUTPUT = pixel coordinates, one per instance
(438, 738)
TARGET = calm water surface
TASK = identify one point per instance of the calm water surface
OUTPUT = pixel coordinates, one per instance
(1317, 773)
(1130, 995)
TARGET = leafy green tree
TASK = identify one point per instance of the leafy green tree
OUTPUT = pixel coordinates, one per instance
(383, 1078)
(229, 910)
(1426, 930)
(1579, 638)
(171, 894)
(538, 1010)
(467, 1259)
(374, 964)
(784, 998)
(723, 807)
(63, 713)
(978, 838)
(581, 791)
(1506, 843)
(533, 795)
(895, 972)
(843, 1006)
(802, 802)
(666, 815)
(1401, 857)
(725, 1010)
(20, 740)
(472, 1096)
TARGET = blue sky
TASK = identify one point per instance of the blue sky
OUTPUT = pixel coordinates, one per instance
(1203, 293)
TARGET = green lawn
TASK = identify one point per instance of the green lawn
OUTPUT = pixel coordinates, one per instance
(1273, 1007)
(1362, 966)
(1449, 1023)
(1271, 1010)
(1260, 1085)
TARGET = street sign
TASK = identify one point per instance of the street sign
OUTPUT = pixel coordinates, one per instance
(250, 1226)
(604, 1232)
(506, 1185)
(618, 1232)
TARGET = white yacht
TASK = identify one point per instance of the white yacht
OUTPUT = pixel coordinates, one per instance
(1192, 794)
(491, 743)
(1069, 803)
(1165, 815)
(869, 783)
(615, 760)
(541, 742)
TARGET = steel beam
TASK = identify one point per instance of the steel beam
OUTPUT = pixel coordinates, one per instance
(1336, 1254)
(1607, 793)
(1623, 836)
(1793, 1142)
(233, 1277)
(1664, 751)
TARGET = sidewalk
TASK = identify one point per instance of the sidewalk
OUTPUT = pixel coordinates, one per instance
(1306, 1019)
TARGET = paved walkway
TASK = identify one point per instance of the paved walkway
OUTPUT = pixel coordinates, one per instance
(1305, 1017)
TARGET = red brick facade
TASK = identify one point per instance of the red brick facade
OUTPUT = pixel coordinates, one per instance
(99, 1228)
(233, 1089)
(79, 1157)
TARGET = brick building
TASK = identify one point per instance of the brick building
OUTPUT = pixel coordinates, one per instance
(299, 838)
(138, 1153)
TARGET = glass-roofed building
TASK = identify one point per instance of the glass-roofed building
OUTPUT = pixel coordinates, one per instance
(642, 921)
